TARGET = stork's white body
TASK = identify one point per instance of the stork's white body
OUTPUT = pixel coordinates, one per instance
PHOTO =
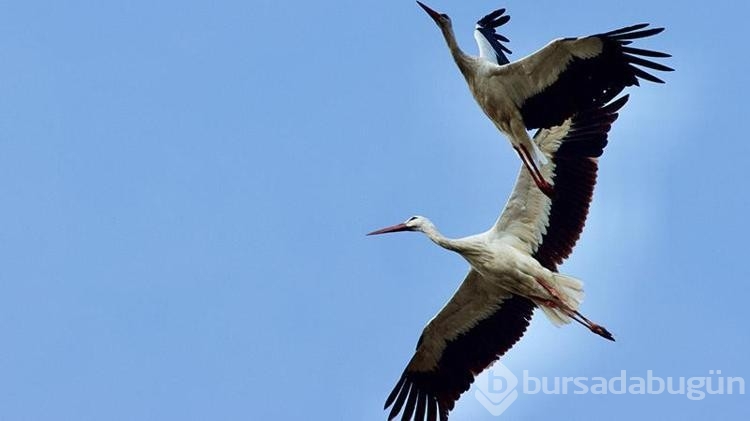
(494, 94)
(502, 255)
(497, 97)
(512, 270)
(566, 76)
(566, 90)
(501, 264)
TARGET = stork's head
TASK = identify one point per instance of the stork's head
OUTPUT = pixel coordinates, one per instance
(415, 223)
(441, 19)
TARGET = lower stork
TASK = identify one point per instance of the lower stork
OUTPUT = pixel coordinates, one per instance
(542, 90)
(513, 270)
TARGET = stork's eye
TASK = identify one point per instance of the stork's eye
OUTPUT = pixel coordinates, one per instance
(411, 219)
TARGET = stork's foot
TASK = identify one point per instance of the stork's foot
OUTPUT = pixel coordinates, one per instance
(545, 187)
(594, 327)
(536, 175)
(575, 315)
(601, 331)
(557, 302)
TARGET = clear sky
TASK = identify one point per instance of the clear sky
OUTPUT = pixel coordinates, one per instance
(186, 187)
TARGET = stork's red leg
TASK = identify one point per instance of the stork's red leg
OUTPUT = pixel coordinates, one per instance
(596, 328)
(534, 174)
(554, 303)
(574, 314)
(543, 185)
(551, 291)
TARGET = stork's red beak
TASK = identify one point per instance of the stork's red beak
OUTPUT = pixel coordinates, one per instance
(394, 228)
(433, 14)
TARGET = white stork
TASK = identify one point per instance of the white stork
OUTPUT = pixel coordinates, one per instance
(513, 270)
(568, 75)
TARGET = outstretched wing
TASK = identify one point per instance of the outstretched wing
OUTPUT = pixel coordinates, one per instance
(548, 229)
(575, 74)
(477, 326)
(489, 41)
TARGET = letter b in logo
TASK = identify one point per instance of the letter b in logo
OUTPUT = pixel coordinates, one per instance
(497, 389)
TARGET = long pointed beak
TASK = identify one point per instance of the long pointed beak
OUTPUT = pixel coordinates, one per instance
(394, 228)
(433, 14)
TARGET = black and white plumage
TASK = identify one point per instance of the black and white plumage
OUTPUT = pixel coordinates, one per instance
(490, 43)
(565, 77)
(492, 308)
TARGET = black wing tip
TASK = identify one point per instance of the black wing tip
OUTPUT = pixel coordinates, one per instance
(399, 403)
(395, 391)
(631, 35)
(494, 19)
(496, 41)
(646, 53)
(588, 135)
(412, 402)
(435, 392)
(627, 33)
(593, 115)
(617, 104)
(634, 56)
(421, 406)
(658, 30)
(487, 25)
(627, 29)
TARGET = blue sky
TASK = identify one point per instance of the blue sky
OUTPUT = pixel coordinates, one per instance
(186, 187)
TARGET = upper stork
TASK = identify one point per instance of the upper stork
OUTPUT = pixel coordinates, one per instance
(513, 270)
(567, 76)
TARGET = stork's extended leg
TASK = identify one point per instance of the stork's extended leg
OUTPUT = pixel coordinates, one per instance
(543, 185)
(524, 146)
(536, 175)
(556, 301)
(594, 327)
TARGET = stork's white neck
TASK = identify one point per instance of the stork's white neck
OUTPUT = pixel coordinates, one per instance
(461, 58)
(459, 245)
(473, 248)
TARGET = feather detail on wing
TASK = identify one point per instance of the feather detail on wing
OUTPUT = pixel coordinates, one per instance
(549, 228)
(490, 43)
(477, 326)
(571, 75)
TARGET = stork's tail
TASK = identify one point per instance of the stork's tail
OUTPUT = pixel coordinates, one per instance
(571, 294)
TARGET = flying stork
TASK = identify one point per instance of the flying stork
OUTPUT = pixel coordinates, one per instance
(568, 75)
(513, 269)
